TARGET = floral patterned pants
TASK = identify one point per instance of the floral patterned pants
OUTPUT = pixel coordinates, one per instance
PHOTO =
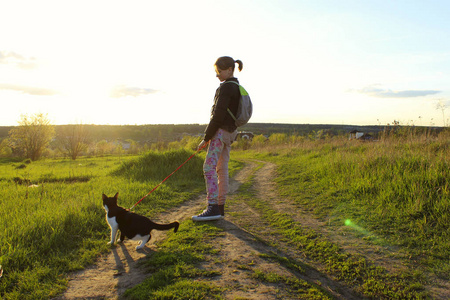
(215, 168)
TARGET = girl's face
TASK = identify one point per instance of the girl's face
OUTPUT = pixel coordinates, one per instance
(223, 74)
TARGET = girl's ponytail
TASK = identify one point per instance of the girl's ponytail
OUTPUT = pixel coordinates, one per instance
(240, 64)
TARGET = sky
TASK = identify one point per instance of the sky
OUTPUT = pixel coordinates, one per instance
(152, 62)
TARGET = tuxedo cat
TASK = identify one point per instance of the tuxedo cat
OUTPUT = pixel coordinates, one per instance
(131, 225)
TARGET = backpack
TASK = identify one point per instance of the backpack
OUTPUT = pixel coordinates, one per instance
(245, 107)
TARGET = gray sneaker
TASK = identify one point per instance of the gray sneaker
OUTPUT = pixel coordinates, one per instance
(222, 210)
(211, 213)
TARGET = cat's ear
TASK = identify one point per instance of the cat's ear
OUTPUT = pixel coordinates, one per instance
(116, 195)
(104, 197)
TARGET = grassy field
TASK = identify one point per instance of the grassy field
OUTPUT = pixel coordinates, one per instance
(395, 192)
(392, 192)
(52, 219)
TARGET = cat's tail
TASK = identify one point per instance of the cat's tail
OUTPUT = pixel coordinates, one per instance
(173, 225)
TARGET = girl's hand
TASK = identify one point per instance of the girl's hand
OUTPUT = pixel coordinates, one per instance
(202, 145)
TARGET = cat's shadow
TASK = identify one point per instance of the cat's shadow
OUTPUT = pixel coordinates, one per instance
(125, 256)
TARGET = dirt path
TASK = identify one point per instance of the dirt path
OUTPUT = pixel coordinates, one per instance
(118, 271)
(239, 249)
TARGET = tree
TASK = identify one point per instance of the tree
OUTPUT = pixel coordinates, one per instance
(73, 139)
(32, 135)
(103, 147)
(5, 149)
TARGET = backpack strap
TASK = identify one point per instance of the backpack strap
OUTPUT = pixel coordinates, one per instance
(231, 114)
(241, 89)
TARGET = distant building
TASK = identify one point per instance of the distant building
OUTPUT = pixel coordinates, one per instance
(125, 145)
(355, 134)
(358, 135)
(245, 135)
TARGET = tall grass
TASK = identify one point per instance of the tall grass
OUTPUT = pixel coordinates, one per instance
(52, 220)
(397, 188)
(156, 165)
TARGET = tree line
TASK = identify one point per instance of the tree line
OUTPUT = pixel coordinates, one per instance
(35, 137)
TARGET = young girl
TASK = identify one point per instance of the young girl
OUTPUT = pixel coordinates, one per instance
(220, 133)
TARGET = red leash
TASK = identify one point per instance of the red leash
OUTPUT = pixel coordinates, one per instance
(170, 175)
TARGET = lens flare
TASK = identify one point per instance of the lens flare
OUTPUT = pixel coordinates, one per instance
(364, 233)
(349, 223)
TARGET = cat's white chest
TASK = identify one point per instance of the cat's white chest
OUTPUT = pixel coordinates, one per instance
(111, 221)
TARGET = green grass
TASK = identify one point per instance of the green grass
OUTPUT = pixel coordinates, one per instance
(399, 192)
(52, 219)
(391, 193)
(366, 278)
(295, 287)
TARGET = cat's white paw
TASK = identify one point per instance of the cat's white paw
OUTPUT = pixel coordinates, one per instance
(111, 243)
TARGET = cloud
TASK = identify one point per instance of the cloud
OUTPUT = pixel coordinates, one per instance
(123, 91)
(12, 58)
(375, 91)
(28, 89)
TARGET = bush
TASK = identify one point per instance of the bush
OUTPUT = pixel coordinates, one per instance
(259, 141)
(278, 139)
(242, 144)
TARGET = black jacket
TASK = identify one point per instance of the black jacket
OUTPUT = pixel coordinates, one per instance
(227, 96)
